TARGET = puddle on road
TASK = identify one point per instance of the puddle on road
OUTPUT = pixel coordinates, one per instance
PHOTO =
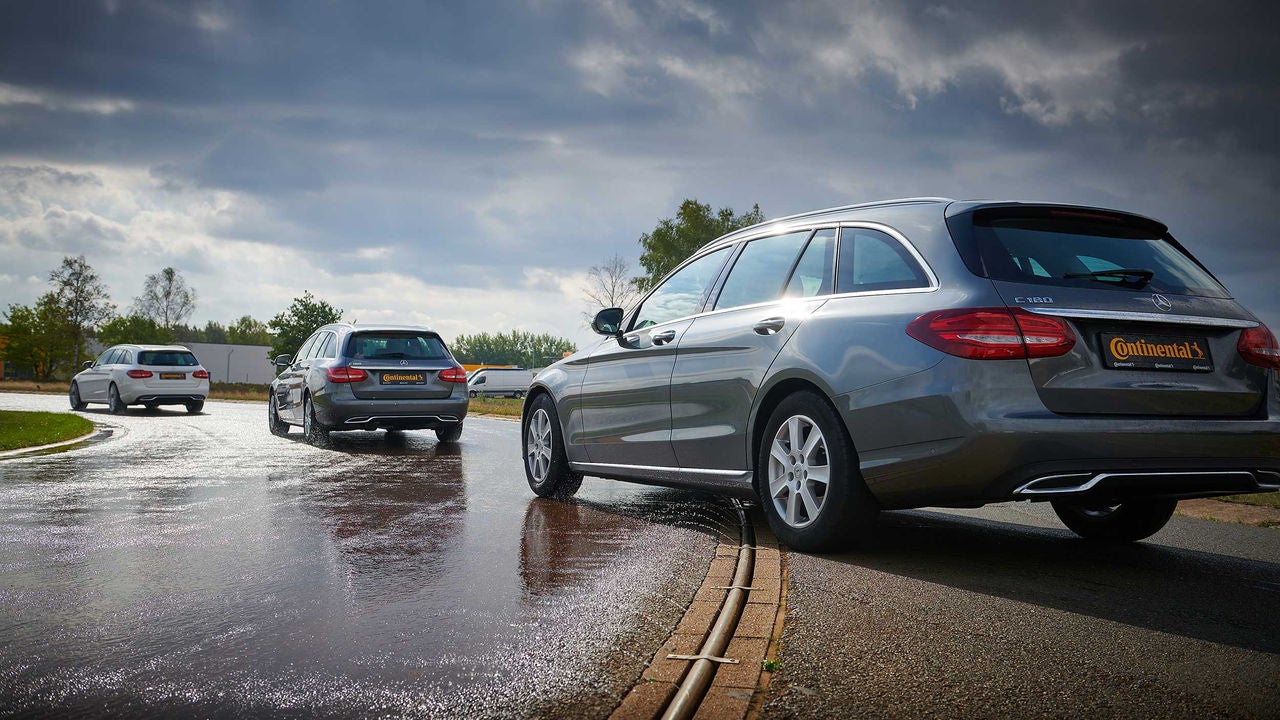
(383, 575)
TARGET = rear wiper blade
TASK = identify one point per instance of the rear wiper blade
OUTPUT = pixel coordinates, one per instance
(1129, 276)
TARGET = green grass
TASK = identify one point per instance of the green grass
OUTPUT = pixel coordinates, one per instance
(509, 407)
(1270, 499)
(27, 429)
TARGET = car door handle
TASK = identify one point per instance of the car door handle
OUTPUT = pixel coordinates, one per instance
(770, 326)
(632, 340)
(664, 337)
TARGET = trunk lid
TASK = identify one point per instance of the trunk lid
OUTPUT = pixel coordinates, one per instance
(401, 365)
(1156, 333)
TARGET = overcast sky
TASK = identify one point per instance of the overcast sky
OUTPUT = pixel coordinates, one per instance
(462, 165)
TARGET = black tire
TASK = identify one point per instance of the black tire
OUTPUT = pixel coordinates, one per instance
(114, 403)
(278, 427)
(194, 406)
(472, 393)
(546, 466)
(449, 434)
(1115, 522)
(73, 395)
(804, 512)
(518, 394)
(312, 430)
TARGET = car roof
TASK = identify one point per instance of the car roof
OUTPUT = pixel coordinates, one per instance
(152, 348)
(866, 211)
(380, 327)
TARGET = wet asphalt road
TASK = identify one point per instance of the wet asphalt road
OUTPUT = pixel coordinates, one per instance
(197, 565)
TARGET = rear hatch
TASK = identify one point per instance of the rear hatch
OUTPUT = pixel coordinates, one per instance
(1156, 333)
(172, 371)
(401, 365)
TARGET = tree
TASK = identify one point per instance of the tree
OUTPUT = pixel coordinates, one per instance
(514, 348)
(675, 239)
(214, 332)
(83, 299)
(608, 285)
(292, 327)
(133, 328)
(39, 339)
(247, 331)
(166, 298)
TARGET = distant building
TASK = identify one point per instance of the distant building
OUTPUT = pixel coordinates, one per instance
(235, 363)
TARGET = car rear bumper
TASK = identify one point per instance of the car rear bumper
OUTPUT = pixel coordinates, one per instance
(921, 441)
(351, 413)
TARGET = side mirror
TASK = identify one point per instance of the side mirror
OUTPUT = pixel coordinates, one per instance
(607, 322)
(283, 360)
(86, 364)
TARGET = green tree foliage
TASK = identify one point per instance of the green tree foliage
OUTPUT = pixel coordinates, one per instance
(247, 331)
(675, 239)
(514, 348)
(166, 298)
(84, 301)
(291, 327)
(133, 328)
(39, 339)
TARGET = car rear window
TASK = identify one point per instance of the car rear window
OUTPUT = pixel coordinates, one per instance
(167, 357)
(1070, 248)
(401, 345)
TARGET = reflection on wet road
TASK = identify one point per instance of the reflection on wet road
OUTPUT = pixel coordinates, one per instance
(199, 564)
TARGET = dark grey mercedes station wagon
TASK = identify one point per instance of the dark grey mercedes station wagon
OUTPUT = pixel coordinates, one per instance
(924, 352)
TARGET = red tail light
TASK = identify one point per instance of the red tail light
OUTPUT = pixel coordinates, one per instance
(453, 374)
(139, 374)
(345, 374)
(993, 333)
(200, 374)
(1258, 347)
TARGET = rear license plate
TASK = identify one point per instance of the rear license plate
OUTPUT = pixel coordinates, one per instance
(173, 376)
(404, 378)
(1138, 351)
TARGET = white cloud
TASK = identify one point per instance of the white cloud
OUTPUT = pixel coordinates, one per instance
(14, 95)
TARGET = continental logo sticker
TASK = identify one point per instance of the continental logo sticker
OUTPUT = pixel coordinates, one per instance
(1145, 352)
(403, 377)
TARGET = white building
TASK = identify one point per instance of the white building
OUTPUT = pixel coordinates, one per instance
(235, 363)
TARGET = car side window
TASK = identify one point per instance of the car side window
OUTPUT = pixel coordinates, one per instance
(814, 272)
(480, 380)
(306, 348)
(112, 356)
(682, 293)
(871, 260)
(326, 350)
(317, 346)
(760, 271)
(126, 358)
(102, 359)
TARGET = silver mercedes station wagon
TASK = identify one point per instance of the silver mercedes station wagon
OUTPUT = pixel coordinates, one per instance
(924, 352)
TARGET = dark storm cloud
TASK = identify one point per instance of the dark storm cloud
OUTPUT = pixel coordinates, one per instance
(558, 131)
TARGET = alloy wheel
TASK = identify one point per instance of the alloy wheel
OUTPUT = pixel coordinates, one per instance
(799, 473)
(540, 443)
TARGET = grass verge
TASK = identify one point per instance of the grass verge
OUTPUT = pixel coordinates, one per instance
(1270, 499)
(509, 407)
(19, 429)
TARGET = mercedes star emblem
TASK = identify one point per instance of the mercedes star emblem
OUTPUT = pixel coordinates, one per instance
(1162, 302)
(1166, 302)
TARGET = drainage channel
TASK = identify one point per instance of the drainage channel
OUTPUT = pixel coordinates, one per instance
(693, 688)
(712, 663)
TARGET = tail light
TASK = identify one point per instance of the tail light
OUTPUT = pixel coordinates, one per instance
(993, 333)
(453, 374)
(200, 374)
(345, 374)
(139, 374)
(1258, 347)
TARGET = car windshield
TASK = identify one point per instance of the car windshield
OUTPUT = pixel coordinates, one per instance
(399, 345)
(177, 358)
(1101, 252)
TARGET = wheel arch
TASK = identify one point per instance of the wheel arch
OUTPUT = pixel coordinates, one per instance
(777, 391)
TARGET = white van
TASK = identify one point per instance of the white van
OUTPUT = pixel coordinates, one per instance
(507, 382)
